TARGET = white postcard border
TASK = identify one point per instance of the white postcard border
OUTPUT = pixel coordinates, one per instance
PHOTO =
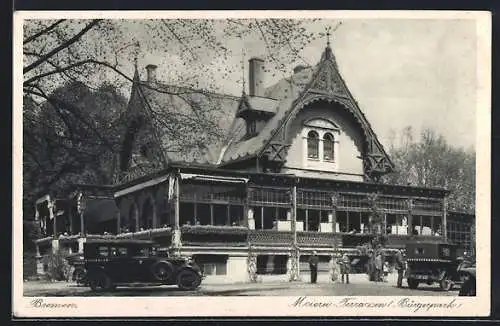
(265, 306)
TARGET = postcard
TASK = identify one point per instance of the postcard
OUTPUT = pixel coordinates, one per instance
(251, 163)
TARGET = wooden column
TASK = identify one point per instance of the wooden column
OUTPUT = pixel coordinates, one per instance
(410, 217)
(245, 207)
(262, 217)
(433, 230)
(347, 221)
(177, 202)
(82, 225)
(443, 223)
(118, 221)
(53, 216)
(137, 216)
(80, 209)
(334, 212)
(70, 217)
(154, 222)
(294, 257)
(306, 222)
(176, 236)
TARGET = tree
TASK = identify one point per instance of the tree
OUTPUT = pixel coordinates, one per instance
(85, 52)
(74, 136)
(67, 120)
(432, 162)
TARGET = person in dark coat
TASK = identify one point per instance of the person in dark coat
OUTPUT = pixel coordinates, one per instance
(345, 268)
(313, 266)
(400, 267)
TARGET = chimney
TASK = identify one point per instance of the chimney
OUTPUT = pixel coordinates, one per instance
(299, 68)
(256, 76)
(151, 69)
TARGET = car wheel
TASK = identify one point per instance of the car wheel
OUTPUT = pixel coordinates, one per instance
(162, 271)
(100, 282)
(412, 283)
(446, 284)
(79, 276)
(188, 280)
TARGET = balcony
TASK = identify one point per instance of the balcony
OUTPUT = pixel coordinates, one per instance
(208, 235)
(319, 239)
(270, 238)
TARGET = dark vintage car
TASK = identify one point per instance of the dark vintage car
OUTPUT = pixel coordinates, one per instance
(435, 263)
(468, 274)
(112, 263)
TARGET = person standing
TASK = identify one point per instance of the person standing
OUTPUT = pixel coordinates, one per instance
(345, 268)
(378, 267)
(313, 266)
(334, 275)
(400, 266)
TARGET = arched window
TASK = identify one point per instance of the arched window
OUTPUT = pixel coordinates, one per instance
(312, 145)
(328, 147)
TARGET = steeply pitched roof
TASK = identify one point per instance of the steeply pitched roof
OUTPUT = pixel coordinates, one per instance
(322, 81)
(189, 125)
(221, 140)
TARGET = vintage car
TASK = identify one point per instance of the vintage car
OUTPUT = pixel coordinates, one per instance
(467, 272)
(112, 263)
(434, 263)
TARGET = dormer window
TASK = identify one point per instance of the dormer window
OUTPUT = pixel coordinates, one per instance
(252, 128)
(328, 147)
(313, 145)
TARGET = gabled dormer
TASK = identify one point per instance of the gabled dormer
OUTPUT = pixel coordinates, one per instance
(255, 108)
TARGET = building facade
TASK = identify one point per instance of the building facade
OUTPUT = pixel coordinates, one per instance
(296, 169)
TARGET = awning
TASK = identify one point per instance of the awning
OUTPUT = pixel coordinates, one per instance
(204, 177)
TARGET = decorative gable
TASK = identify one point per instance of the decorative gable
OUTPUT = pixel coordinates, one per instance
(327, 81)
(328, 86)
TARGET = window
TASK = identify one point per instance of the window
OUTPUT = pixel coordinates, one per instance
(313, 145)
(252, 127)
(212, 264)
(103, 251)
(328, 147)
(119, 251)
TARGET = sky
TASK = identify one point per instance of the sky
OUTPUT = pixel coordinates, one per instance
(402, 72)
(419, 73)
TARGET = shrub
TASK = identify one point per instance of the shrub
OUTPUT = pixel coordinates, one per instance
(58, 267)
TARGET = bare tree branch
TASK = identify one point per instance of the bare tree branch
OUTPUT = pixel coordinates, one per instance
(43, 31)
(178, 38)
(62, 46)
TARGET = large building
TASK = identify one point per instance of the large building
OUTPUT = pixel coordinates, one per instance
(296, 169)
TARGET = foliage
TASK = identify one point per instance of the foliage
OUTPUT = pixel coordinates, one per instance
(74, 124)
(432, 162)
(74, 136)
(81, 50)
(58, 267)
(31, 232)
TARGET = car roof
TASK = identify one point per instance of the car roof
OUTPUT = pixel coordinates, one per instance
(429, 243)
